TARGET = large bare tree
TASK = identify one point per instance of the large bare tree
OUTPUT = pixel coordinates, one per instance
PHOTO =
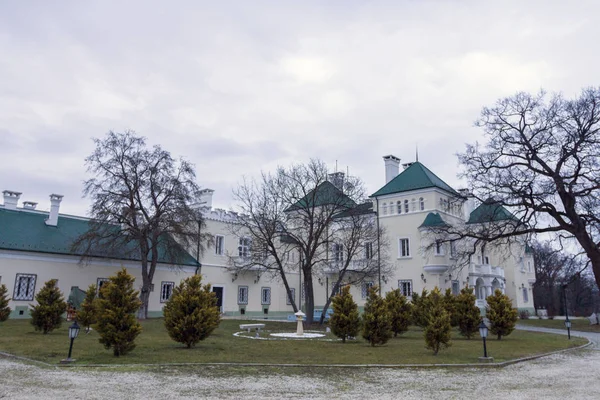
(541, 161)
(305, 211)
(140, 209)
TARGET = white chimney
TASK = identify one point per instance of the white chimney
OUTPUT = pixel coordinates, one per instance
(392, 167)
(11, 199)
(205, 198)
(55, 200)
(29, 205)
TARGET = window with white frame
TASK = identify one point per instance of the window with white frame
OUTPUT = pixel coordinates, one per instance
(455, 288)
(403, 247)
(166, 291)
(290, 297)
(335, 290)
(525, 295)
(219, 242)
(413, 202)
(486, 260)
(368, 250)
(406, 206)
(24, 287)
(242, 294)
(439, 248)
(365, 289)
(384, 206)
(244, 247)
(453, 249)
(399, 206)
(99, 283)
(421, 203)
(405, 286)
(265, 295)
(338, 252)
(528, 266)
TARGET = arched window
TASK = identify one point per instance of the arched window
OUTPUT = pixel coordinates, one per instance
(405, 206)
(384, 206)
(422, 203)
(414, 205)
(399, 206)
(391, 208)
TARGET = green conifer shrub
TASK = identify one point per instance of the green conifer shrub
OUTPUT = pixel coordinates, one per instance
(4, 308)
(420, 306)
(450, 305)
(503, 317)
(116, 308)
(377, 326)
(468, 314)
(87, 314)
(191, 314)
(437, 332)
(345, 321)
(47, 314)
(400, 311)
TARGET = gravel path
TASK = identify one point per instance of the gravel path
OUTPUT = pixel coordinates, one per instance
(561, 376)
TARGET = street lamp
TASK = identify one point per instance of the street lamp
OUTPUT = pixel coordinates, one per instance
(568, 325)
(567, 321)
(483, 332)
(73, 333)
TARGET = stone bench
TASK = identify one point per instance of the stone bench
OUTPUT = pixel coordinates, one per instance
(251, 327)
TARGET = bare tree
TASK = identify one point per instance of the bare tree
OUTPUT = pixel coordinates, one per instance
(140, 206)
(540, 161)
(304, 210)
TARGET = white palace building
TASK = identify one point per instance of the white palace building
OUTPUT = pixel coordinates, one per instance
(35, 246)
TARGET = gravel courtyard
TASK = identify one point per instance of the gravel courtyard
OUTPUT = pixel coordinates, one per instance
(563, 376)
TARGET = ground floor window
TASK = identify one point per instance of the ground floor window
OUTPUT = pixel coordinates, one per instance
(365, 289)
(525, 295)
(405, 286)
(265, 296)
(455, 288)
(166, 290)
(24, 287)
(291, 296)
(242, 294)
(99, 283)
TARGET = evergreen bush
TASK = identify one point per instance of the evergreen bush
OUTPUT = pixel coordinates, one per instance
(468, 314)
(4, 308)
(400, 311)
(450, 305)
(47, 314)
(345, 321)
(87, 314)
(437, 332)
(116, 307)
(420, 306)
(503, 317)
(377, 327)
(191, 314)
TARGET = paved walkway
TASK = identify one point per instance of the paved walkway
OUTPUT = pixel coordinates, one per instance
(561, 376)
(594, 337)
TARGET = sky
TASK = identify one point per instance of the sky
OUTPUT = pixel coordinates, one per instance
(240, 87)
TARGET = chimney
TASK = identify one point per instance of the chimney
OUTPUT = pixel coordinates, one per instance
(11, 199)
(392, 167)
(337, 179)
(55, 200)
(29, 205)
(204, 198)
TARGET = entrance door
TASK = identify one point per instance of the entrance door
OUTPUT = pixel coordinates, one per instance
(219, 292)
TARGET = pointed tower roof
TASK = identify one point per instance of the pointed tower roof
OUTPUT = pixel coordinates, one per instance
(490, 211)
(416, 176)
(433, 220)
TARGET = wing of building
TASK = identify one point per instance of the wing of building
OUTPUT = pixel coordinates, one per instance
(35, 246)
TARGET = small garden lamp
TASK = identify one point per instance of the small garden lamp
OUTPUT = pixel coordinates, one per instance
(483, 332)
(568, 326)
(73, 333)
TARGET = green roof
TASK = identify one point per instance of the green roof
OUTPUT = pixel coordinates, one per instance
(361, 209)
(433, 220)
(416, 176)
(27, 231)
(324, 194)
(490, 211)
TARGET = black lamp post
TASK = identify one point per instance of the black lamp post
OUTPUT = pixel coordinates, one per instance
(568, 325)
(567, 321)
(483, 332)
(73, 333)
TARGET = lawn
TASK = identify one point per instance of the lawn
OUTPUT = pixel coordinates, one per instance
(154, 346)
(578, 324)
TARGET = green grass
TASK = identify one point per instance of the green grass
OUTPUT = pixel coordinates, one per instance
(582, 325)
(154, 346)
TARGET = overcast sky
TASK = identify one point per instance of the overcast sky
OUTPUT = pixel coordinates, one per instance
(243, 86)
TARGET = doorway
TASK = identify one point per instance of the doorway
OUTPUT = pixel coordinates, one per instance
(218, 291)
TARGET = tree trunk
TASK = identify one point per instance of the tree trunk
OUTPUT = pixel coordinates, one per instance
(309, 295)
(499, 337)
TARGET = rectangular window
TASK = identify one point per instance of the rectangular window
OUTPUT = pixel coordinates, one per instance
(265, 295)
(219, 240)
(335, 290)
(99, 283)
(405, 286)
(166, 290)
(528, 266)
(404, 247)
(244, 247)
(365, 289)
(453, 249)
(290, 297)
(24, 287)
(455, 288)
(486, 260)
(525, 295)
(439, 248)
(368, 250)
(242, 294)
(338, 252)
